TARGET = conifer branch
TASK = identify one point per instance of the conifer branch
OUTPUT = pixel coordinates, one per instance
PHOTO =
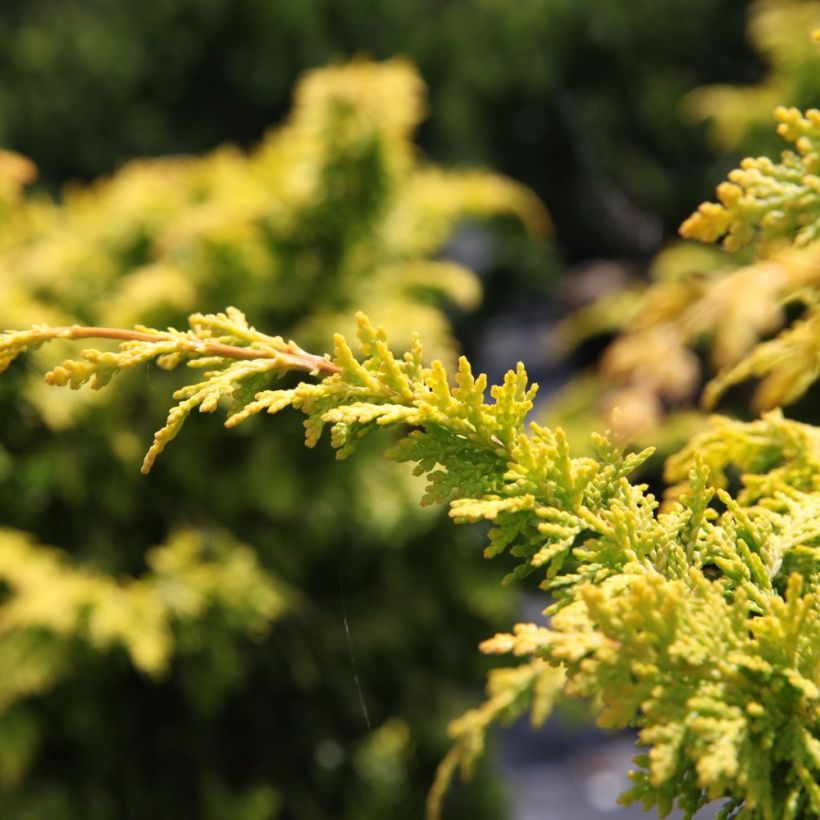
(241, 359)
(699, 624)
(291, 358)
(765, 203)
(294, 358)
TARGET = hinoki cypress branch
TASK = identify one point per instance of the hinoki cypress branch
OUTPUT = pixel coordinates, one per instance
(699, 625)
(291, 358)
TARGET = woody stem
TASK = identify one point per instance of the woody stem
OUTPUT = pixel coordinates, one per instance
(294, 358)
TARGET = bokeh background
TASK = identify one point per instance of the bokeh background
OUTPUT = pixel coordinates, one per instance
(477, 170)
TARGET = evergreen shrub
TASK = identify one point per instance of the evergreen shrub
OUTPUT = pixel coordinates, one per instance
(153, 665)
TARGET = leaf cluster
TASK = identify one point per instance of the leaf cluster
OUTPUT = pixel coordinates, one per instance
(767, 203)
(337, 201)
(55, 611)
(334, 208)
(710, 317)
(699, 623)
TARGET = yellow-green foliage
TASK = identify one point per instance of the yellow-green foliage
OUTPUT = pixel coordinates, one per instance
(699, 624)
(766, 203)
(15, 172)
(50, 604)
(51, 607)
(337, 201)
(335, 208)
(778, 30)
(771, 451)
(649, 373)
(698, 621)
(510, 691)
(769, 206)
(705, 312)
(654, 362)
(334, 211)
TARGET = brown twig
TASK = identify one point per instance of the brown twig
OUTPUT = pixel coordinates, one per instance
(295, 358)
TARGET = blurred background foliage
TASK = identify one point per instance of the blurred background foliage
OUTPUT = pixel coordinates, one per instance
(653, 335)
(577, 98)
(333, 211)
(740, 116)
(618, 114)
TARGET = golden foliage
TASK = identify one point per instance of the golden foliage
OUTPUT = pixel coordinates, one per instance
(711, 309)
(336, 201)
(51, 604)
(770, 205)
(698, 624)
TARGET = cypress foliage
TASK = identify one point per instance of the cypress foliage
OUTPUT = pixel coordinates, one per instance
(695, 620)
(335, 208)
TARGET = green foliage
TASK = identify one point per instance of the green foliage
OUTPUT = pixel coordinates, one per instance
(739, 114)
(699, 624)
(336, 208)
(766, 203)
(578, 98)
(697, 621)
